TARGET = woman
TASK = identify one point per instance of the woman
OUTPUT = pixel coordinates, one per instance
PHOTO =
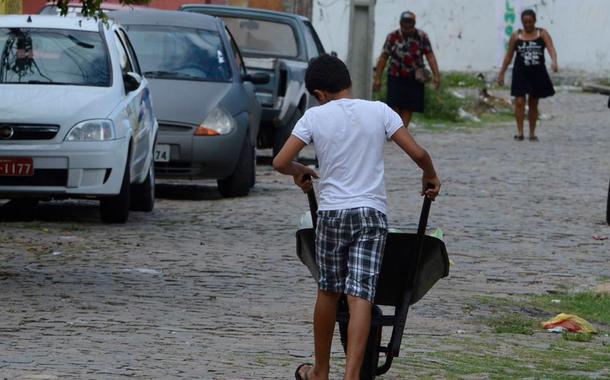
(529, 72)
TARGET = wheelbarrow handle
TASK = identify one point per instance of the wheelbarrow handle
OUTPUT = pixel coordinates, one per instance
(313, 203)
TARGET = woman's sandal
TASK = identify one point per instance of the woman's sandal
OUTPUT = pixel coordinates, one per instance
(298, 376)
(519, 137)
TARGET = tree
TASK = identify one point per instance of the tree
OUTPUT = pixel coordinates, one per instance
(93, 8)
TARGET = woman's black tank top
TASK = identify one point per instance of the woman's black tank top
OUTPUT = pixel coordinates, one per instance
(530, 53)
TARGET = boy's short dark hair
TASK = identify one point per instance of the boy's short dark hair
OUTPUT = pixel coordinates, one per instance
(327, 73)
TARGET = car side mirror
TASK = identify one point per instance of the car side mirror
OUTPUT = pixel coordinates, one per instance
(131, 81)
(333, 53)
(256, 78)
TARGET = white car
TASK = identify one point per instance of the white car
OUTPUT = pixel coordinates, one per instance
(76, 116)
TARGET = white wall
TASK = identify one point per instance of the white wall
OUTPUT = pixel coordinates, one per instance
(469, 35)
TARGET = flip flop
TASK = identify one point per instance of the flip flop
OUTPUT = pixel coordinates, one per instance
(534, 138)
(519, 137)
(297, 375)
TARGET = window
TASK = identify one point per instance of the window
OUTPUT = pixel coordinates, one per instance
(53, 56)
(314, 45)
(267, 38)
(180, 53)
(238, 58)
(123, 55)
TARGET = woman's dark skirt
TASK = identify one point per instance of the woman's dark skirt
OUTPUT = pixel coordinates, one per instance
(532, 80)
(405, 94)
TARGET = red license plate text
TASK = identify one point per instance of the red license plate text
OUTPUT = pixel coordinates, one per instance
(16, 167)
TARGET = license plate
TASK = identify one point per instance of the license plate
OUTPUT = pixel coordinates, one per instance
(16, 167)
(161, 153)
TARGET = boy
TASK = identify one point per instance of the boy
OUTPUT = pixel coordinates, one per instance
(348, 136)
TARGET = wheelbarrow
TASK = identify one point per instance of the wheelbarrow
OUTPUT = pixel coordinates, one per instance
(412, 263)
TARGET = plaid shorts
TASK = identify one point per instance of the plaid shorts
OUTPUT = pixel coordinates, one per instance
(349, 249)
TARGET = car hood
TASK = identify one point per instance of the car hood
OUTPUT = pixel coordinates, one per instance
(186, 102)
(49, 104)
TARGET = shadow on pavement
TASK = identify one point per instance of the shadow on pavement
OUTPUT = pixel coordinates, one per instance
(194, 192)
(55, 211)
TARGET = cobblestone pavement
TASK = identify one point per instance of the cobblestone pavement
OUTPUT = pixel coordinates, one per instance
(211, 288)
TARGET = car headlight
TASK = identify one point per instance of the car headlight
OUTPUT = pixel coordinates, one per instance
(92, 130)
(218, 122)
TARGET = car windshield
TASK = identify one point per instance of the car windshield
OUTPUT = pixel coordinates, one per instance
(53, 56)
(263, 38)
(180, 53)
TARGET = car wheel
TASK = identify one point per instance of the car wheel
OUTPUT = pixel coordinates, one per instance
(608, 207)
(115, 209)
(238, 184)
(143, 194)
(283, 132)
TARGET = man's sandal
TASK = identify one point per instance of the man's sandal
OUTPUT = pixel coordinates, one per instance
(519, 137)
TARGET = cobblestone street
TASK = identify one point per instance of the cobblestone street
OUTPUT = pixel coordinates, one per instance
(211, 288)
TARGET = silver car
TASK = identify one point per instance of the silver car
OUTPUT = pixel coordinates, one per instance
(204, 98)
(76, 117)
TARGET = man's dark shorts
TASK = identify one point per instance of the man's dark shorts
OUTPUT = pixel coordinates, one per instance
(405, 94)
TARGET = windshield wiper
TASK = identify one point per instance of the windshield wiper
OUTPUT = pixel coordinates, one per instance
(80, 43)
(44, 82)
(169, 74)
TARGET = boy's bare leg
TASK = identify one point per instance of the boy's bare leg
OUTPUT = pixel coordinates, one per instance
(357, 335)
(520, 113)
(324, 316)
(532, 103)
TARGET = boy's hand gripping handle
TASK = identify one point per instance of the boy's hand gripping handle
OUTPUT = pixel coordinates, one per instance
(313, 204)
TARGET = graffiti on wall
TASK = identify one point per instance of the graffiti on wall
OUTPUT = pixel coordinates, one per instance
(509, 21)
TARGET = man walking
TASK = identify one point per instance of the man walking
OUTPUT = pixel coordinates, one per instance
(405, 49)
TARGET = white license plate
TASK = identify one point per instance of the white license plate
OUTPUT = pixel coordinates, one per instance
(161, 153)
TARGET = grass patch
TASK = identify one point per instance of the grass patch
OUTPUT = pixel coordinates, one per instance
(461, 79)
(590, 306)
(513, 325)
(577, 337)
(443, 109)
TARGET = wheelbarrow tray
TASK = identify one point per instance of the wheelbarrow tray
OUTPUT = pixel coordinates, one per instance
(398, 265)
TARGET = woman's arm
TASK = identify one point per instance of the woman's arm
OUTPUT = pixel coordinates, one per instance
(510, 51)
(548, 41)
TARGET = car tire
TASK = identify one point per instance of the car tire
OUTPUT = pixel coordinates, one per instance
(283, 132)
(238, 184)
(115, 209)
(143, 194)
(608, 207)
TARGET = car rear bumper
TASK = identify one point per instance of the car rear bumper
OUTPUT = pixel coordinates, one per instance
(67, 168)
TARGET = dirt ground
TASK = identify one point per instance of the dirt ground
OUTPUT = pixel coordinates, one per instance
(211, 288)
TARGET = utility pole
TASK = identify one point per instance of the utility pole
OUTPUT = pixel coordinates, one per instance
(360, 47)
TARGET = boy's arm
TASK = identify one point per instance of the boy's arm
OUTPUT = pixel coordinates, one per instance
(285, 164)
(431, 185)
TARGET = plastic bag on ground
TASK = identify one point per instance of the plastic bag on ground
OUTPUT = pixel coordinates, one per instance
(568, 322)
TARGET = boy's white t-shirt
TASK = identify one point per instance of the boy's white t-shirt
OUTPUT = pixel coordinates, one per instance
(348, 136)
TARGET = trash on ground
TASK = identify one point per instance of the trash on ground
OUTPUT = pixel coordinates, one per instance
(568, 322)
(603, 288)
(465, 115)
(599, 237)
